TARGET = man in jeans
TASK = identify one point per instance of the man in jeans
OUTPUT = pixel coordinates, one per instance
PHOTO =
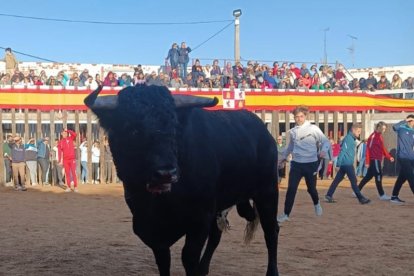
(18, 164)
(304, 141)
(405, 154)
(183, 59)
(345, 164)
(375, 152)
(43, 158)
(57, 169)
(7, 146)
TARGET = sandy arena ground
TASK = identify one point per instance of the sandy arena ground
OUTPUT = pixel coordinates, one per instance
(46, 231)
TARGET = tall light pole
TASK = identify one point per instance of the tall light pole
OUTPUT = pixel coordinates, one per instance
(352, 49)
(325, 54)
(237, 13)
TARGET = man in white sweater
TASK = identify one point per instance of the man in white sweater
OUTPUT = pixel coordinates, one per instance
(307, 144)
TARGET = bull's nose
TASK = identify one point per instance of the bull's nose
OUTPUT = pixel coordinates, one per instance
(167, 172)
(168, 175)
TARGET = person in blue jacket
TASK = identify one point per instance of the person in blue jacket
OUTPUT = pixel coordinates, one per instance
(405, 156)
(172, 56)
(345, 164)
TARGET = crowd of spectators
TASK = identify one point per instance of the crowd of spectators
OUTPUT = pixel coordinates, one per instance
(252, 76)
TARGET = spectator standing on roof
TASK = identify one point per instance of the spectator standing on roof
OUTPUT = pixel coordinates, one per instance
(173, 55)
(11, 61)
(183, 59)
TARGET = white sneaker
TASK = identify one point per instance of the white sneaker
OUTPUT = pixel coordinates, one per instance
(8, 184)
(282, 218)
(318, 209)
(384, 197)
(68, 190)
(76, 190)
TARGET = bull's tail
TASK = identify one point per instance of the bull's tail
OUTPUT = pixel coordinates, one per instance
(249, 212)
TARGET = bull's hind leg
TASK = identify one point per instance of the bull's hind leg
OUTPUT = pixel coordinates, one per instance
(266, 205)
(212, 243)
(163, 260)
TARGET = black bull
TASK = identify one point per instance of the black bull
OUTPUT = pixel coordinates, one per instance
(181, 165)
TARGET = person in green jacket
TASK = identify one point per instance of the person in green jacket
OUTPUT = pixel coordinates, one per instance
(345, 165)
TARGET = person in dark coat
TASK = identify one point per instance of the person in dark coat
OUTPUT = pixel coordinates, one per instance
(183, 59)
(172, 56)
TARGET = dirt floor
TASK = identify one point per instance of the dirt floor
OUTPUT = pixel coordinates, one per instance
(46, 231)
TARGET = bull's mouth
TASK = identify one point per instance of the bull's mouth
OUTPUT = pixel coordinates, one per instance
(161, 184)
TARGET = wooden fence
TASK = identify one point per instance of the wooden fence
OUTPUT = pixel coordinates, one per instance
(40, 112)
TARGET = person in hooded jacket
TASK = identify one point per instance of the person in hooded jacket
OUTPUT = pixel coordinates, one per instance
(345, 165)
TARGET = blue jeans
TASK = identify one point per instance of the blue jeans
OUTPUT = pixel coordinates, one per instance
(350, 172)
(84, 173)
(183, 70)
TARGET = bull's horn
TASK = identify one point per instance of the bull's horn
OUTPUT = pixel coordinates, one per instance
(194, 101)
(105, 102)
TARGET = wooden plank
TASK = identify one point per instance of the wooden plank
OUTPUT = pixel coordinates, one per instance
(13, 120)
(2, 171)
(287, 121)
(345, 121)
(275, 124)
(335, 126)
(354, 117)
(39, 125)
(90, 142)
(65, 118)
(363, 119)
(78, 142)
(26, 125)
(326, 123)
(101, 139)
(52, 135)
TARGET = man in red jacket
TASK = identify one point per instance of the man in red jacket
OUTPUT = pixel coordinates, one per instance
(67, 158)
(375, 152)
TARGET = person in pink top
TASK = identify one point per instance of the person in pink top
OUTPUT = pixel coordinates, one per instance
(67, 158)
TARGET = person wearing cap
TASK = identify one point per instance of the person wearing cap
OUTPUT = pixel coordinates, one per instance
(405, 155)
(18, 164)
(43, 158)
(11, 62)
(67, 158)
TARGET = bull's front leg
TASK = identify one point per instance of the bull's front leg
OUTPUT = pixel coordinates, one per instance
(163, 260)
(194, 243)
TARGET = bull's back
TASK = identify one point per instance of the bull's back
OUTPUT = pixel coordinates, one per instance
(233, 149)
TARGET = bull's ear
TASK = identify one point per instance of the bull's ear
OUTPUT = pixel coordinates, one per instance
(182, 101)
(104, 102)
